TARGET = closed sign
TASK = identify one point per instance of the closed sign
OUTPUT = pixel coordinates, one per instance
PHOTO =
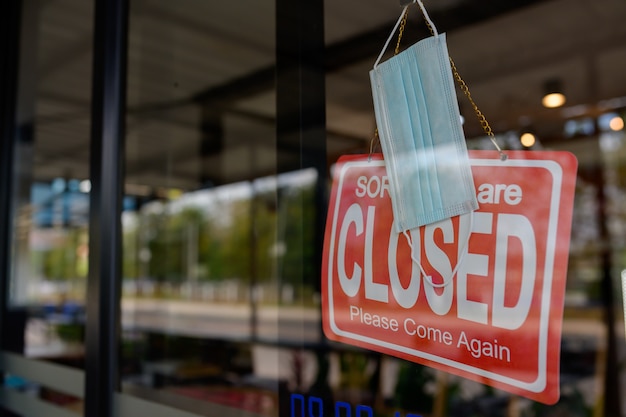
(479, 295)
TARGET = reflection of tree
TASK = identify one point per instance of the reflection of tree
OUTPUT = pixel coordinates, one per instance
(222, 238)
(320, 387)
(410, 388)
(220, 248)
(584, 270)
(225, 254)
(355, 377)
(228, 239)
(298, 236)
(571, 404)
(65, 259)
(57, 263)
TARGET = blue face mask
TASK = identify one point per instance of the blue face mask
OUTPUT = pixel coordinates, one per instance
(420, 131)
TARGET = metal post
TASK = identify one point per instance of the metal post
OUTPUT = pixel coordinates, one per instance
(10, 17)
(301, 136)
(301, 114)
(105, 239)
(300, 98)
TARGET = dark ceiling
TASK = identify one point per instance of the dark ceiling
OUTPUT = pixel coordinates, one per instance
(195, 63)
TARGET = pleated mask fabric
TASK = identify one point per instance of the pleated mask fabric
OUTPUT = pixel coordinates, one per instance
(419, 126)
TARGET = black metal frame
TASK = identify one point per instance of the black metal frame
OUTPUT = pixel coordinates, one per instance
(10, 17)
(105, 230)
(301, 98)
(301, 114)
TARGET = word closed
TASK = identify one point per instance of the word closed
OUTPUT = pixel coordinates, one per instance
(479, 295)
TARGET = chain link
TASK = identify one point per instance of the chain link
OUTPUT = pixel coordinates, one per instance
(401, 30)
(481, 117)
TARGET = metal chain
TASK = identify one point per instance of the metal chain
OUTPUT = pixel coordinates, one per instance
(396, 52)
(401, 30)
(481, 117)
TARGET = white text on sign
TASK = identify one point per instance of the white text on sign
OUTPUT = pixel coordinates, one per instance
(359, 220)
(476, 347)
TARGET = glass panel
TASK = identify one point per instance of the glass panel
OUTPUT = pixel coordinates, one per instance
(506, 63)
(200, 232)
(50, 203)
(52, 157)
(221, 298)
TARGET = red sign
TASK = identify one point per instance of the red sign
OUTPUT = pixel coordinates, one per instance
(492, 307)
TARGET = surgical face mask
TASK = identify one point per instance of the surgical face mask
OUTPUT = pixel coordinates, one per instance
(420, 131)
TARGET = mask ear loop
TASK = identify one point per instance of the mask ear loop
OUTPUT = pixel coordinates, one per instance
(380, 56)
(430, 23)
(428, 278)
(374, 138)
(402, 19)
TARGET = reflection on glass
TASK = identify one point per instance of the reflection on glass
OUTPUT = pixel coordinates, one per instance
(50, 209)
(220, 289)
(199, 288)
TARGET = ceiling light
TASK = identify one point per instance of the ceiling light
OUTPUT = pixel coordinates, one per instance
(616, 124)
(84, 186)
(527, 139)
(553, 94)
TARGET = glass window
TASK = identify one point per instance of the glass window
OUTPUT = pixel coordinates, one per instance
(201, 242)
(51, 188)
(50, 203)
(507, 61)
(221, 292)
